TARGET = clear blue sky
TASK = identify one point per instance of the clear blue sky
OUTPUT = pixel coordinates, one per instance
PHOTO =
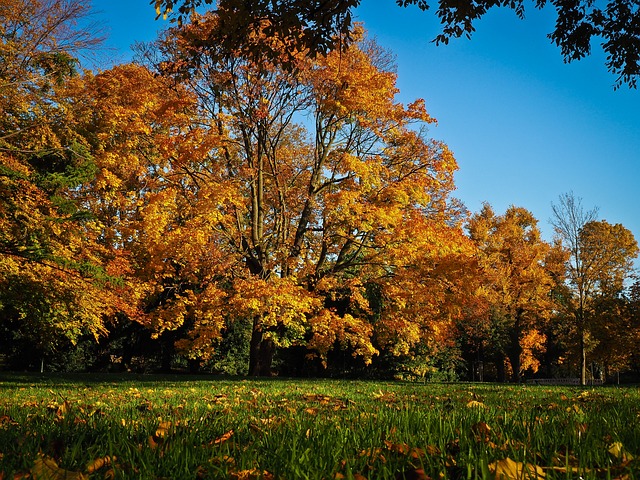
(524, 126)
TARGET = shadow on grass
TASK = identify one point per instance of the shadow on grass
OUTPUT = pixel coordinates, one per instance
(25, 379)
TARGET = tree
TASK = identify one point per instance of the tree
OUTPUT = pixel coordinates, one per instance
(311, 26)
(254, 216)
(134, 196)
(56, 283)
(615, 331)
(521, 271)
(600, 262)
(41, 154)
(434, 284)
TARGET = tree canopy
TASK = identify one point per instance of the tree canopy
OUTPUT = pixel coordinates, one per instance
(521, 271)
(252, 214)
(312, 26)
(601, 260)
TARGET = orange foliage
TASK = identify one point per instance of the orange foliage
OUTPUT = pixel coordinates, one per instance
(233, 209)
(227, 188)
(521, 270)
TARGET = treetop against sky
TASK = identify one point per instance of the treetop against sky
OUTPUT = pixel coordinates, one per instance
(524, 126)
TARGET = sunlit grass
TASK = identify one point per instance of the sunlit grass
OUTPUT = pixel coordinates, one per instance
(185, 427)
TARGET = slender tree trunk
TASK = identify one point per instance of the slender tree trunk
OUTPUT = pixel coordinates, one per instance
(583, 343)
(583, 358)
(500, 367)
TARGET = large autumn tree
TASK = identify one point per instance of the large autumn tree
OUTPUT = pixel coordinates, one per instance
(287, 194)
(312, 25)
(52, 273)
(601, 261)
(521, 271)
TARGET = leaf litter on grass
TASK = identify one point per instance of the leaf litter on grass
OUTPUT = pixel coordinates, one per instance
(219, 425)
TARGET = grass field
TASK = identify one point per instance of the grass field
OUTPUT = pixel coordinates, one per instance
(78, 427)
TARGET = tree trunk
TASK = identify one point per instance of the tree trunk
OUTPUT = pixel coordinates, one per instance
(501, 370)
(167, 350)
(514, 358)
(515, 352)
(583, 359)
(261, 352)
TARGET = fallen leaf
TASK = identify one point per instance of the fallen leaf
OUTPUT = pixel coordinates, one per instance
(7, 421)
(401, 448)
(317, 398)
(255, 428)
(433, 450)
(574, 408)
(163, 429)
(252, 474)
(223, 438)
(617, 450)
(508, 469)
(481, 431)
(155, 442)
(98, 463)
(476, 404)
(46, 468)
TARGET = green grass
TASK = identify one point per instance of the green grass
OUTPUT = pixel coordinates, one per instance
(187, 428)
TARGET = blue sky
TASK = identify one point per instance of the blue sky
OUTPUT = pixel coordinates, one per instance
(524, 126)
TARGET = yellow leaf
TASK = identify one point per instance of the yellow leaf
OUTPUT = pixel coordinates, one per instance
(508, 469)
(63, 409)
(252, 474)
(476, 404)
(163, 429)
(98, 463)
(46, 468)
(617, 450)
(574, 408)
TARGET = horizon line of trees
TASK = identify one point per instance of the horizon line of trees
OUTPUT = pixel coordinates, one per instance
(207, 210)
